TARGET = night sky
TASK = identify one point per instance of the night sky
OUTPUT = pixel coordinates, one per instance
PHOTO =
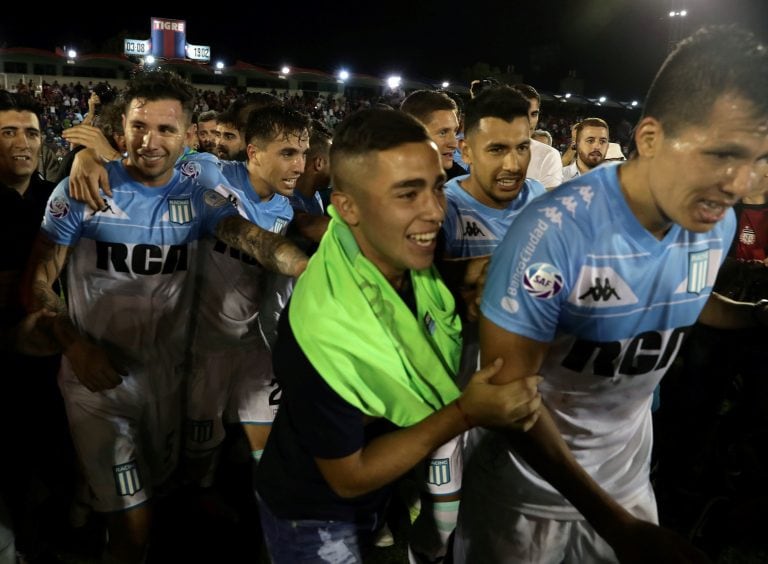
(614, 45)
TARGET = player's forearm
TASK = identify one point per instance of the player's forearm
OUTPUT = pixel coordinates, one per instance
(391, 455)
(546, 452)
(273, 251)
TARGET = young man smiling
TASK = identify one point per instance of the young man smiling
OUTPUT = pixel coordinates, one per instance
(367, 352)
(124, 335)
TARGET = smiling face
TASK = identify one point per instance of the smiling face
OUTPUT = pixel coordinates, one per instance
(697, 174)
(498, 153)
(442, 126)
(396, 208)
(19, 147)
(154, 136)
(277, 165)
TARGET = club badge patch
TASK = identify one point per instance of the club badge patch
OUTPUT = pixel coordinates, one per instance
(439, 471)
(200, 431)
(179, 210)
(542, 280)
(127, 478)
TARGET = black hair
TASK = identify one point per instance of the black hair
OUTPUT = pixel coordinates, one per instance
(501, 102)
(161, 85)
(714, 61)
(14, 102)
(266, 123)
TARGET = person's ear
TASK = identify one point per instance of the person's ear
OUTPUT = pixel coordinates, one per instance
(346, 206)
(649, 136)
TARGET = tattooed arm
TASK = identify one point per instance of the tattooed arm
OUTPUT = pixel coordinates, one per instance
(90, 362)
(273, 251)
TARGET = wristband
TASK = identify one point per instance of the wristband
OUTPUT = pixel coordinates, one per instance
(464, 415)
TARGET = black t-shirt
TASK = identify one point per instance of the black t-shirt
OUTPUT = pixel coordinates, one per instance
(20, 218)
(313, 421)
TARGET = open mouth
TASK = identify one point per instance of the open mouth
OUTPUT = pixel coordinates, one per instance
(423, 239)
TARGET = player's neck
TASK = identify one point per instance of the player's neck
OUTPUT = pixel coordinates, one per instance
(633, 180)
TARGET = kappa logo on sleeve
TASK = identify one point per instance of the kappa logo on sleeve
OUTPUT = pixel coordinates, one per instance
(59, 208)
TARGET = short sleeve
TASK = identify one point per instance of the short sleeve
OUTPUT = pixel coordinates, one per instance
(63, 218)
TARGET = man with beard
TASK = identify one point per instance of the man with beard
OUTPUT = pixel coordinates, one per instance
(591, 147)
(206, 132)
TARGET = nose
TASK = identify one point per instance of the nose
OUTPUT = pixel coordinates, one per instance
(743, 180)
(511, 162)
(434, 207)
(451, 141)
(147, 139)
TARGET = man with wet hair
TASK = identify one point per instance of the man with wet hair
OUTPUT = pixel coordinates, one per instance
(594, 287)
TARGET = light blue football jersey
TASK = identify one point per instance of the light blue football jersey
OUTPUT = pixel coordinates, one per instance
(127, 274)
(473, 229)
(230, 296)
(578, 270)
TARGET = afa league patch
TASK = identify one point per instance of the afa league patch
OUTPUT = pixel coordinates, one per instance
(190, 169)
(59, 208)
(127, 478)
(542, 280)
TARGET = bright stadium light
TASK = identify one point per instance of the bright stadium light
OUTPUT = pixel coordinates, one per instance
(149, 59)
(219, 65)
(393, 82)
(343, 75)
(446, 84)
(602, 99)
(567, 95)
(634, 103)
(285, 70)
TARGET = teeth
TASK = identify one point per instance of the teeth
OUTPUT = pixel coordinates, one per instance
(713, 205)
(21, 158)
(506, 182)
(423, 239)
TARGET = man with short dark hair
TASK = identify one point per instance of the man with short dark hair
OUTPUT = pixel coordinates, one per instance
(439, 114)
(591, 147)
(367, 351)
(206, 127)
(545, 165)
(594, 287)
(126, 329)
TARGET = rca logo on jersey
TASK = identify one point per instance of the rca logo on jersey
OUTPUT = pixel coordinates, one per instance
(647, 352)
(601, 286)
(179, 210)
(543, 280)
(439, 471)
(58, 208)
(127, 478)
(141, 259)
(200, 431)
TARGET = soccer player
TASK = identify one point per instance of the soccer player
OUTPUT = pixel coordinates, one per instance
(594, 286)
(125, 333)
